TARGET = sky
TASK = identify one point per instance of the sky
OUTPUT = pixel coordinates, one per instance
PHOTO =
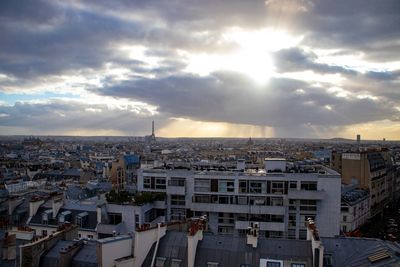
(228, 68)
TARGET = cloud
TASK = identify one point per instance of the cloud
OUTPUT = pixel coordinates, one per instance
(140, 50)
(65, 117)
(231, 97)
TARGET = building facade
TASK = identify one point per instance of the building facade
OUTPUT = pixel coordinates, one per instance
(279, 199)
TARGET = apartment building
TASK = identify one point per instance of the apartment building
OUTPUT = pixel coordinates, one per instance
(124, 171)
(355, 208)
(279, 198)
(369, 169)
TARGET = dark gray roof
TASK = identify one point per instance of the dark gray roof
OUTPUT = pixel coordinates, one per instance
(86, 256)
(233, 251)
(229, 250)
(355, 251)
(75, 192)
(51, 258)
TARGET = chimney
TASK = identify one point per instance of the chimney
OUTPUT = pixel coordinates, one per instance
(195, 235)
(316, 244)
(98, 210)
(34, 205)
(252, 234)
(58, 202)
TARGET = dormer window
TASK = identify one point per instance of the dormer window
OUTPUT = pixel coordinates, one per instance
(81, 218)
(46, 216)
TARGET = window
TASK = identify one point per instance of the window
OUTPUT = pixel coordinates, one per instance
(202, 185)
(292, 219)
(274, 234)
(90, 236)
(257, 187)
(178, 214)
(177, 200)
(277, 201)
(44, 233)
(114, 218)
(242, 200)
(147, 182)
(303, 234)
(327, 261)
(226, 186)
(277, 188)
(176, 263)
(344, 218)
(310, 205)
(201, 199)
(225, 229)
(160, 262)
(160, 183)
(177, 182)
(312, 186)
(226, 218)
(293, 185)
(212, 264)
(298, 265)
(243, 186)
(274, 263)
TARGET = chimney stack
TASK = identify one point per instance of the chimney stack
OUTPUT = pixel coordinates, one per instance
(316, 244)
(252, 234)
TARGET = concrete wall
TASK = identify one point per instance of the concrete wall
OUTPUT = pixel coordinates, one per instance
(143, 242)
(328, 210)
(113, 248)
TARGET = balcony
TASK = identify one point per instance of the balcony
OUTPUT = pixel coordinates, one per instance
(264, 226)
(253, 209)
(306, 194)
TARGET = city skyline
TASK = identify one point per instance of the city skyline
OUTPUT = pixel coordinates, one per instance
(285, 69)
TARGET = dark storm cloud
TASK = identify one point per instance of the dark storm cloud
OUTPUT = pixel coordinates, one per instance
(233, 98)
(368, 26)
(296, 59)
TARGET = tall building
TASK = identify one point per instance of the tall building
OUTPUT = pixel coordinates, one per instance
(280, 199)
(358, 139)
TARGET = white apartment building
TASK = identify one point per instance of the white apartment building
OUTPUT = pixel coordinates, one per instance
(355, 208)
(280, 199)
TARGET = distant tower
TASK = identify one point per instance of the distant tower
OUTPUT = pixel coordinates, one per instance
(358, 139)
(149, 139)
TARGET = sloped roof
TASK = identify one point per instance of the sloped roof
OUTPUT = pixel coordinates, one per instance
(355, 251)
